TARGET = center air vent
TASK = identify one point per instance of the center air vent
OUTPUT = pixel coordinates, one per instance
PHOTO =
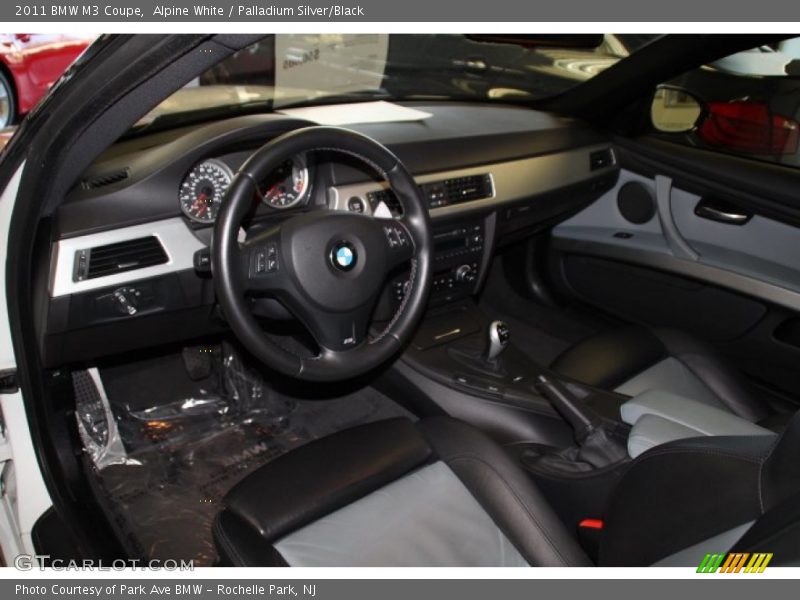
(441, 193)
(98, 181)
(458, 189)
(464, 189)
(129, 255)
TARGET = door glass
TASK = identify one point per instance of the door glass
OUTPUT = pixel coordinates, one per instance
(746, 104)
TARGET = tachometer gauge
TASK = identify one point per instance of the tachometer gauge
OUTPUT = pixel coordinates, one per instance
(287, 185)
(202, 191)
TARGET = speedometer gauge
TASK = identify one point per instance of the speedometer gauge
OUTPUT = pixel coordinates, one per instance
(202, 191)
(287, 185)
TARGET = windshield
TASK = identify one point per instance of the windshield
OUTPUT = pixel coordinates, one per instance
(294, 70)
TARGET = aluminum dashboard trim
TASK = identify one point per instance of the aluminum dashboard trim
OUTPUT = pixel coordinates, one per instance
(511, 180)
(177, 239)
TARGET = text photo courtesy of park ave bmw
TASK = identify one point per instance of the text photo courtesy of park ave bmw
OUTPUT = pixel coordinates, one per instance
(168, 590)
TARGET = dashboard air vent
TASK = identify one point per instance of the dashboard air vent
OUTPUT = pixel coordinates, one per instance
(129, 255)
(458, 189)
(98, 181)
(442, 193)
(464, 189)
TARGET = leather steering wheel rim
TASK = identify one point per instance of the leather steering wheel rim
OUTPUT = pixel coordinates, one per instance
(310, 273)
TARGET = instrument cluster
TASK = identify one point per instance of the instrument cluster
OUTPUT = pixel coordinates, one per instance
(204, 188)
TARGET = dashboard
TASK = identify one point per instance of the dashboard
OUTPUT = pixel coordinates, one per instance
(126, 260)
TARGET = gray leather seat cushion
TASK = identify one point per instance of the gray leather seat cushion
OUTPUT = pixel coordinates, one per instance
(671, 375)
(426, 519)
(659, 417)
(435, 492)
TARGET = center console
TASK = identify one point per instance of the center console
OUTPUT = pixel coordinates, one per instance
(460, 259)
(568, 436)
(458, 255)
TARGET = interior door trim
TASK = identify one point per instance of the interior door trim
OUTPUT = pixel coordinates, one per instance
(762, 188)
(566, 239)
(675, 240)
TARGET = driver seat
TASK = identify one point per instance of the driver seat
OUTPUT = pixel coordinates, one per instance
(393, 493)
(439, 492)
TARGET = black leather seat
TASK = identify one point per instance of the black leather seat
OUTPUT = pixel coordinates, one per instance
(393, 493)
(684, 499)
(440, 493)
(634, 359)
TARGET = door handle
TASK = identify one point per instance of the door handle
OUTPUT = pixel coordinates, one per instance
(721, 212)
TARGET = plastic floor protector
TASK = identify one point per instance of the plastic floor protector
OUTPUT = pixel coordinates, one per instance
(172, 463)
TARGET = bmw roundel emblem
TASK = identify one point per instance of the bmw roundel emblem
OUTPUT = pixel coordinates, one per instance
(343, 256)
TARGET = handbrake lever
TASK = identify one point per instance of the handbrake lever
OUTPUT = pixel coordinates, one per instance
(596, 443)
(580, 417)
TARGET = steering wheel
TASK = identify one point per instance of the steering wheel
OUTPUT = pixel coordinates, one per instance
(327, 268)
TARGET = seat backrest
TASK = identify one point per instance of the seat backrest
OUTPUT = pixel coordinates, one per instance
(683, 493)
(658, 417)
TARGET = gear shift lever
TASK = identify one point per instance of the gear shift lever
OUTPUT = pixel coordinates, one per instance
(499, 335)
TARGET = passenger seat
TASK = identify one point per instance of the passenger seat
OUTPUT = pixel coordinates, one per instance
(633, 360)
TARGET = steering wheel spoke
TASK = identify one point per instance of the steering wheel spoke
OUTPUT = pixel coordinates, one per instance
(262, 262)
(398, 241)
(338, 332)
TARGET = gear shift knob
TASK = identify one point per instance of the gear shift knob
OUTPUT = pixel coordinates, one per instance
(499, 335)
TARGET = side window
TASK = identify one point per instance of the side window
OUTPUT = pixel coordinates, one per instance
(747, 104)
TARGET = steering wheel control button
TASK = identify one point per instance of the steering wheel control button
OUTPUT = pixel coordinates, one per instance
(401, 288)
(395, 236)
(265, 259)
(344, 256)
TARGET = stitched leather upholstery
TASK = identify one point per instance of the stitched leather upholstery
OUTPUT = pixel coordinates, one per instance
(684, 492)
(317, 479)
(611, 359)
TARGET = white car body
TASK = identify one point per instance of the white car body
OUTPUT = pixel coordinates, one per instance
(23, 495)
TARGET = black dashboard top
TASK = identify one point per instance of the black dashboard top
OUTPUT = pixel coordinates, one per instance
(137, 180)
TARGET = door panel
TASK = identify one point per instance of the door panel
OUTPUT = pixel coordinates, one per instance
(648, 296)
(760, 259)
(761, 248)
(730, 275)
